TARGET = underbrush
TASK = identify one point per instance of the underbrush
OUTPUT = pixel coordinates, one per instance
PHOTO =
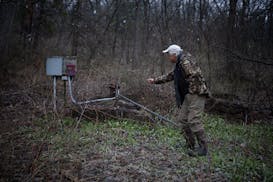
(122, 149)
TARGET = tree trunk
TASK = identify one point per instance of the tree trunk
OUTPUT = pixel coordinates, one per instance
(164, 32)
(230, 37)
(145, 39)
(136, 49)
(231, 23)
(270, 28)
(243, 35)
(38, 24)
(113, 48)
(28, 23)
(200, 24)
(76, 14)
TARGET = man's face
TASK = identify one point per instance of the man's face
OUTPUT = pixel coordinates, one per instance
(172, 58)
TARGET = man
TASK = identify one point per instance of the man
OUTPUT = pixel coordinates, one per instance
(190, 93)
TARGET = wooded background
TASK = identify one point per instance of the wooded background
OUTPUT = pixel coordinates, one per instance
(232, 40)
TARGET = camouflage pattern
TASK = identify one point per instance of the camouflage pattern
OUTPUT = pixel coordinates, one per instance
(164, 78)
(197, 84)
(189, 115)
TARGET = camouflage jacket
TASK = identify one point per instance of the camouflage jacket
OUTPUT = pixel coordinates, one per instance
(194, 77)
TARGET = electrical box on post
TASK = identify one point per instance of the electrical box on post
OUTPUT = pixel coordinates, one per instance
(69, 66)
(61, 66)
(54, 66)
(64, 67)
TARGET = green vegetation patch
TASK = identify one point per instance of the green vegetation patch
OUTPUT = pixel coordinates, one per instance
(237, 152)
(242, 152)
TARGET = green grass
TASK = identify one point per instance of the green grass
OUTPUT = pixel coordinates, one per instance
(238, 153)
(242, 152)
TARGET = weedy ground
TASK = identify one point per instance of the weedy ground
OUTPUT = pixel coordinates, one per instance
(53, 148)
(126, 150)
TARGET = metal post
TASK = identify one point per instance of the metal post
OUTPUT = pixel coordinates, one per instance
(54, 94)
(64, 93)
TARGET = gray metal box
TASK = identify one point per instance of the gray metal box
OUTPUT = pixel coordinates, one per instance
(54, 66)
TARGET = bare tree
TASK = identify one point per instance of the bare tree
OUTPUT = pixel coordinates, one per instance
(75, 22)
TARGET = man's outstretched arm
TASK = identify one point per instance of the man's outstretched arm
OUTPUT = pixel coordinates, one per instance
(162, 79)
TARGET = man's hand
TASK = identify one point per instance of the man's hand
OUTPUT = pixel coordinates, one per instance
(151, 80)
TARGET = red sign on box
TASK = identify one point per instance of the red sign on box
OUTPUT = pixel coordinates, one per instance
(71, 69)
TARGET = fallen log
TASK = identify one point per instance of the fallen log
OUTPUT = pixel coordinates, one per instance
(237, 111)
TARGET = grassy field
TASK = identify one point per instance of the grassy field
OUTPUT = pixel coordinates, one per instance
(131, 150)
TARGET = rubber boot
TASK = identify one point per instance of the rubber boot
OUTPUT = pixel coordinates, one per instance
(190, 141)
(202, 141)
(202, 150)
(189, 137)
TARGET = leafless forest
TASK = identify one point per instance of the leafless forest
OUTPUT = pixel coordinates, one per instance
(232, 39)
(123, 40)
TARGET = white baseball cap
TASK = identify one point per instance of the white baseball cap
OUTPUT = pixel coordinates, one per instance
(173, 49)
